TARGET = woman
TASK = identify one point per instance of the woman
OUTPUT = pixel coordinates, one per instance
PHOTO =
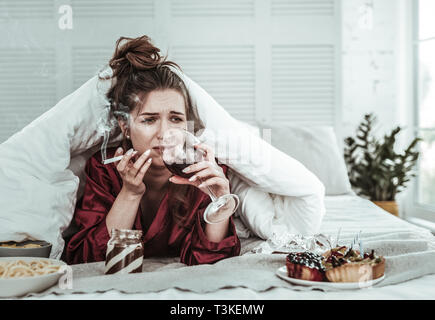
(139, 192)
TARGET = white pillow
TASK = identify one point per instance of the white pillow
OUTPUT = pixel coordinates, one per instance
(317, 148)
(38, 190)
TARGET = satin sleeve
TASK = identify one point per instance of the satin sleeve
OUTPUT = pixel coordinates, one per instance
(90, 242)
(197, 249)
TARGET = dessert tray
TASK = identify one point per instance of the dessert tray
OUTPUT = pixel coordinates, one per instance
(282, 273)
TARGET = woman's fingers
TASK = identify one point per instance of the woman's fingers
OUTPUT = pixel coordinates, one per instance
(205, 173)
(196, 167)
(208, 151)
(118, 152)
(139, 177)
(201, 169)
(201, 166)
(181, 180)
(123, 164)
(199, 177)
(218, 183)
(215, 181)
(138, 164)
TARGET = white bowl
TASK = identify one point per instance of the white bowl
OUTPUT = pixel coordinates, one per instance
(15, 287)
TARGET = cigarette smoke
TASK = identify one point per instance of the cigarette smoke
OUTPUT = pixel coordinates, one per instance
(107, 122)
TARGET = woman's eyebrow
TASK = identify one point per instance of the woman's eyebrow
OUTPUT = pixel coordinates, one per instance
(156, 113)
(176, 112)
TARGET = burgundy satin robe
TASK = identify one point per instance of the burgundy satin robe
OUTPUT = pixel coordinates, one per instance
(164, 237)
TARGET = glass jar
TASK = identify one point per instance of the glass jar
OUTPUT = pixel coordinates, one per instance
(124, 252)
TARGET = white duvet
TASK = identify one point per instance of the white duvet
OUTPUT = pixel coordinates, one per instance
(41, 167)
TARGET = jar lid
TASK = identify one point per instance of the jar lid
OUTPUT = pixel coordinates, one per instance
(126, 233)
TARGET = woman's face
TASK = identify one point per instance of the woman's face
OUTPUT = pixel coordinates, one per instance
(162, 110)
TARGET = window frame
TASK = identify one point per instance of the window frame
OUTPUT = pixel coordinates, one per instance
(415, 210)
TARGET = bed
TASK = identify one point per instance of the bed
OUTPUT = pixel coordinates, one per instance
(392, 236)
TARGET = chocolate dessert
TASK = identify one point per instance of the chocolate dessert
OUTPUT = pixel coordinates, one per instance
(305, 266)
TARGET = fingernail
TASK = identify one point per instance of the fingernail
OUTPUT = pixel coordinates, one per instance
(186, 170)
(201, 185)
(150, 159)
(119, 150)
(129, 152)
(193, 178)
(147, 152)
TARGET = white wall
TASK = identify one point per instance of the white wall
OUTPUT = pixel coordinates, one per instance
(377, 70)
(375, 64)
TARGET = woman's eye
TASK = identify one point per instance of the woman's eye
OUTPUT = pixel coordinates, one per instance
(176, 119)
(148, 120)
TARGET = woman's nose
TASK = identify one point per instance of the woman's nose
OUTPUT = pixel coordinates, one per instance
(164, 126)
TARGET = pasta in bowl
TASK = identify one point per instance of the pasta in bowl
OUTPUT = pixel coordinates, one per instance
(23, 275)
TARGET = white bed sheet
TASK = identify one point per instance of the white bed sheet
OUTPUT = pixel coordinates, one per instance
(349, 212)
(418, 289)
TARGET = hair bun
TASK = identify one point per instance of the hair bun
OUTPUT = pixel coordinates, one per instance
(137, 53)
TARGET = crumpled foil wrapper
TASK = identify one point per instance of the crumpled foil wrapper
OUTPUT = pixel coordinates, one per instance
(286, 243)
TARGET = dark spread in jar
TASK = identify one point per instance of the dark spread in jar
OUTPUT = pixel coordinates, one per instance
(124, 252)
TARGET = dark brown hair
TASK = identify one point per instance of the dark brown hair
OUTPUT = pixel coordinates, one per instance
(138, 69)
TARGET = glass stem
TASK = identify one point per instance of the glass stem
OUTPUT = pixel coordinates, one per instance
(210, 192)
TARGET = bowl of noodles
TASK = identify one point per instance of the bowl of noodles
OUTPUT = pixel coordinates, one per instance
(28, 248)
(23, 275)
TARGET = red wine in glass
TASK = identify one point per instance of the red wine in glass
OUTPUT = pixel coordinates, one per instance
(177, 169)
(178, 152)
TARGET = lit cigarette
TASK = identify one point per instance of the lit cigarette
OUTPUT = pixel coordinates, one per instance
(107, 161)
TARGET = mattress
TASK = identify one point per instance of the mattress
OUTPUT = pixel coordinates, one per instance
(349, 213)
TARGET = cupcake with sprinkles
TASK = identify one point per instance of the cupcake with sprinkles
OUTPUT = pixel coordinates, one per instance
(305, 266)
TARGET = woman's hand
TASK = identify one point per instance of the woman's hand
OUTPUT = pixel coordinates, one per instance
(206, 173)
(132, 172)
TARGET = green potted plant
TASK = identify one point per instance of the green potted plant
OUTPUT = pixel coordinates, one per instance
(375, 170)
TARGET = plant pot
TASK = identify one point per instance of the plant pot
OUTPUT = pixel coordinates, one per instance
(390, 206)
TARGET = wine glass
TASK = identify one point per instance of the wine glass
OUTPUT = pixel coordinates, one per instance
(178, 152)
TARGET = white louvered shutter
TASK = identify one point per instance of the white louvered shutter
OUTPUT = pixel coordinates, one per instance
(305, 65)
(227, 73)
(297, 8)
(87, 61)
(263, 60)
(110, 9)
(27, 65)
(303, 84)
